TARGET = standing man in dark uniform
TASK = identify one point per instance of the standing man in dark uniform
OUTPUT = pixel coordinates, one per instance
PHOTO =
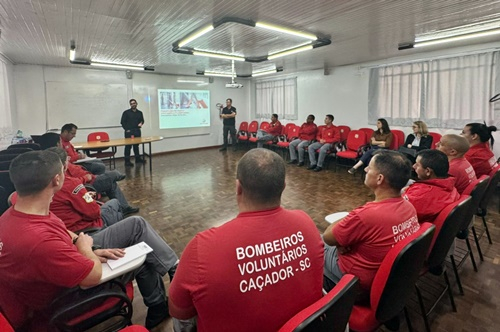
(132, 121)
(228, 115)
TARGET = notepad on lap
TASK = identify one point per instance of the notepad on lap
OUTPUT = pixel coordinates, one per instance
(84, 160)
(131, 253)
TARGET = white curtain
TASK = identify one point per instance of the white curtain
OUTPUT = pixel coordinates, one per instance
(5, 111)
(279, 96)
(445, 93)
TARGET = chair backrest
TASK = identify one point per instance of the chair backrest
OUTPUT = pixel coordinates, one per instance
(4, 205)
(264, 125)
(398, 139)
(286, 129)
(320, 129)
(8, 157)
(475, 190)
(395, 279)
(243, 126)
(36, 138)
(355, 139)
(5, 325)
(447, 225)
(492, 186)
(330, 313)
(6, 183)
(98, 136)
(293, 132)
(15, 151)
(344, 132)
(368, 132)
(436, 137)
(4, 165)
(32, 146)
(253, 126)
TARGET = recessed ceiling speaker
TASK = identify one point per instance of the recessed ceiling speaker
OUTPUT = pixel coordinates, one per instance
(129, 74)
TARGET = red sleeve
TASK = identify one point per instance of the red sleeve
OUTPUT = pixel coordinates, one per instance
(186, 280)
(420, 196)
(276, 129)
(82, 202)
(79, 172)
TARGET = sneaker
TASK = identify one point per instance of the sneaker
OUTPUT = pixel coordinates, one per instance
(318, 169)
(128, 164)
(311, 167)
(156, 314)
(130, 210)
(223, 148)
(293, 161)
(352, 171)
(300, 164)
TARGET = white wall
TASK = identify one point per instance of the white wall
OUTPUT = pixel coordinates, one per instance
(31, 115)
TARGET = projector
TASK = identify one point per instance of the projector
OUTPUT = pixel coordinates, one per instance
(234, 85)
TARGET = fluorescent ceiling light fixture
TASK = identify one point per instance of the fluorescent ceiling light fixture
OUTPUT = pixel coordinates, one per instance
(286, 30)
(218, 74)
(457, 38)
(190, 81)
(120, 66)
(196, 35)
(291, 51)
(219, 55)
(72, 54)
(267, 72)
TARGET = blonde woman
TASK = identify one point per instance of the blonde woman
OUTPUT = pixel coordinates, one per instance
(420, 138)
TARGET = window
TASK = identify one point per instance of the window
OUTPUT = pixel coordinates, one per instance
(278, 96)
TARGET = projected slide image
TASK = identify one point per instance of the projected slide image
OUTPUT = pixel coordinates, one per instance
(184, 108)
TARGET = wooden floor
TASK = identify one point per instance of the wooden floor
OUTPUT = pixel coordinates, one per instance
(191, 191)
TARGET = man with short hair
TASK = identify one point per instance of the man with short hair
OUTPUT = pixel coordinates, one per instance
(455, 147)
(434, 189)
(327, 136)
(132, 121)
(274, 130)
(68, 132)
(39, 257)
(256, 271)
(307, 133)
(228, 116)
(359, 243)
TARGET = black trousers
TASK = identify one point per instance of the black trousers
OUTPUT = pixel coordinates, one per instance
(232, 130)
(128, 134)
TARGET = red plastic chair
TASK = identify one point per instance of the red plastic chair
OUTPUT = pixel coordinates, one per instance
(344, 132)
(242, 134)
(355, 142)
(263, 126)
(252, 130)
(368, 132)
(291, 133)
(435, 139)
(394, 281)
(101, 136)
(330, 313)
(398, 139)
(5, 325)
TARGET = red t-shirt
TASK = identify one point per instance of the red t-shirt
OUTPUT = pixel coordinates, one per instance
(70, 150)
(308, 131)
(481, 158)
(251, 274)
(275, 128)
(74, 205)
(330, 134)
(430, 197)
(463, 172)
(76, 171)
(369, 231)
(37, 261)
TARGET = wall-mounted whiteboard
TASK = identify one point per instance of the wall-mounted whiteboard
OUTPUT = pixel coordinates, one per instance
(87, 105)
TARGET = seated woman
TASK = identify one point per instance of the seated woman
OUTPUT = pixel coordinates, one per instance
(381, 139)
(419, 140)
(480, 155)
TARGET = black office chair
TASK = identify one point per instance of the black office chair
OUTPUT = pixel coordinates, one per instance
(32, 146)
(15, 151)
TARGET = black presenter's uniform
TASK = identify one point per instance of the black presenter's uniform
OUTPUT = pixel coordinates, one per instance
(229, 126)
(130, 123)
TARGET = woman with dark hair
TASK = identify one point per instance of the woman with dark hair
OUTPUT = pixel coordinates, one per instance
(381, 139)
(480, 155)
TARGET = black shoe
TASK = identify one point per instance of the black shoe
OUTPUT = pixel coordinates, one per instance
(140, 161)
(128, 164)
(300, 164)
(223, 148)
(156, 314)
(121, 177)
(171, 272)
(352, 170)
(311, 167)
(293, 161)
(130, 210)
(318, 169)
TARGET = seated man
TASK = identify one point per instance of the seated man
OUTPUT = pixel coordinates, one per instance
(76, 207)
(274, 130)
(327, 136)
(68, 132)
(256, 271)
(358, 243)
(307, 133)
(102, 183)
(455, 147)
(40, 257)
(434, 190)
